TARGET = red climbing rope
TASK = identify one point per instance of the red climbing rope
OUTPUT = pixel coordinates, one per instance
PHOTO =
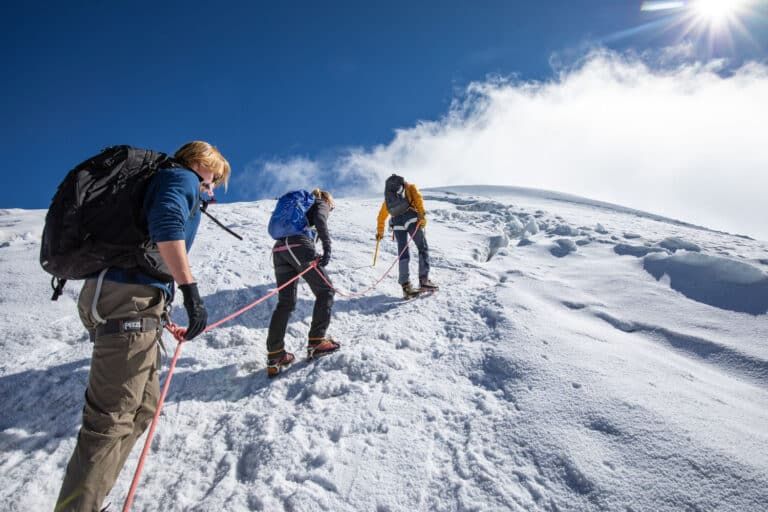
(350, 295)
(179, 332)
(148, 442)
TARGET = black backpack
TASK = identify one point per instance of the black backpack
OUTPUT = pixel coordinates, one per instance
(96, 219)
(394, 195)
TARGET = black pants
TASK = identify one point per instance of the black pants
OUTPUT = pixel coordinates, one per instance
(288, 264)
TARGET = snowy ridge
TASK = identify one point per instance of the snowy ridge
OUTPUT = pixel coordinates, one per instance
(569, 362)
(568, 198)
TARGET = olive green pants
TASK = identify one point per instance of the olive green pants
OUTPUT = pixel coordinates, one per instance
(122, 394)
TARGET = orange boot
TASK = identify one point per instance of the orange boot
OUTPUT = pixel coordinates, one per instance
(277, 361)
(318, 347)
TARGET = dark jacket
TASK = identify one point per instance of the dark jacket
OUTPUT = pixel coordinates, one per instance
(317, 217)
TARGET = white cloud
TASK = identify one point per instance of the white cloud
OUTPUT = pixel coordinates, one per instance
(272, 178)
(687, 141)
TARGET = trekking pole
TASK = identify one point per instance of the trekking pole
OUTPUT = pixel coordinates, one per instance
(376, 252)
(204, 209)
(222, 226)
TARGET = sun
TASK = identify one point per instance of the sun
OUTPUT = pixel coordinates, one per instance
(716, 12)
(717, 23)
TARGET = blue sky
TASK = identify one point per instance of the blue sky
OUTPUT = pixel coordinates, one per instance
(272, 84)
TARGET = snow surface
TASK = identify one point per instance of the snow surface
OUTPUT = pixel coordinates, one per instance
(551, 372)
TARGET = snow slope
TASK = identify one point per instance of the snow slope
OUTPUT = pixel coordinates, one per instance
(578, 357)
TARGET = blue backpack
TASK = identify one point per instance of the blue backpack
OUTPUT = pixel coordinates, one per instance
(290, 215)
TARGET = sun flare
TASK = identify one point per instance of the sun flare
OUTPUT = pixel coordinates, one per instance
(717, 23)
(716, 12)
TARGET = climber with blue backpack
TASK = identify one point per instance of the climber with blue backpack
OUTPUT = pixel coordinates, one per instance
(291, 225)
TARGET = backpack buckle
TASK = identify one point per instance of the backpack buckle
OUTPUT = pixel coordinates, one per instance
(58, 288)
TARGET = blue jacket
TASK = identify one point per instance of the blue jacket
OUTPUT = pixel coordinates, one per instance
(172, 203)
(172, 206)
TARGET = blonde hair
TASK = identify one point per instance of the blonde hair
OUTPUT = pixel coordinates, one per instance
(325, 196)
(199, 152)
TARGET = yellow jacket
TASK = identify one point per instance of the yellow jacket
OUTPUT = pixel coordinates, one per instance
(413, 196)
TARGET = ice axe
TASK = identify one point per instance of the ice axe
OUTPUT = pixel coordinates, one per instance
(376, 252)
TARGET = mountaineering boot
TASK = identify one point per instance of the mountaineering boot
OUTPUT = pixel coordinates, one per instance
(318, 347)
(409, 291)
(277, 361)
(427, 285)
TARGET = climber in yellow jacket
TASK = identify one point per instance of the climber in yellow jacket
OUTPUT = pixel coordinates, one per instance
(403, 202)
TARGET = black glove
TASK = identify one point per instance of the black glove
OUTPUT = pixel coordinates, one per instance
(196, 313)
(324, 259)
